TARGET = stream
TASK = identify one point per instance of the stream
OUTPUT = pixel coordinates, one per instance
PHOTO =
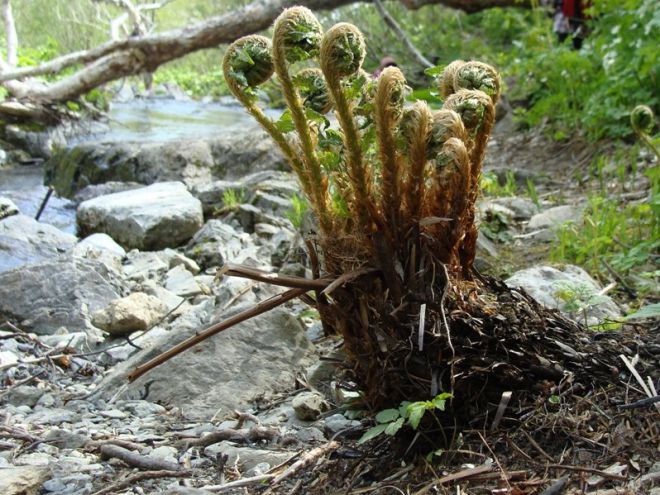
(144, 120)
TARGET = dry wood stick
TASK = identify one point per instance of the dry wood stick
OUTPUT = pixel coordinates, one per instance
(584, 469)
(305, 460)
(465, 473)
(243, 435)
(144, 475)
(238, 483)
(256, 310)
(137, 460)
(273, 278)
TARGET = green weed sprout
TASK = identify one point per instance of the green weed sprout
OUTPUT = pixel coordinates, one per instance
(393, 187)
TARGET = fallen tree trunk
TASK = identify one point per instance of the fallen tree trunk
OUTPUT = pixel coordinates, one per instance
(135, 55)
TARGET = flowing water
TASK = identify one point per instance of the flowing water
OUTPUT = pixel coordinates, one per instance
(144, 120)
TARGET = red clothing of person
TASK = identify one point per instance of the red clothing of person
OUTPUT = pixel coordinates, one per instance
(574, 9)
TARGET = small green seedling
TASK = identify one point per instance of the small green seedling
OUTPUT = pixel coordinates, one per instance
(390, 421)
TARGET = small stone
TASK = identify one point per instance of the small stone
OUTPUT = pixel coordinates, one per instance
(65, 439)
(139, 311)
(177, 259)
(113, 414)
(22, 480)
(310, 435)
(25, 395)
(308, 406)
(165, 453)
(7, 208)
(182, 283)
(338, 422)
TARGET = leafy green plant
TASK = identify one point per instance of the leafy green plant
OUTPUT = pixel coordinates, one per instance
(578, 298)
(390, 421)
(232, 198)
(491, 185)
(297, 212)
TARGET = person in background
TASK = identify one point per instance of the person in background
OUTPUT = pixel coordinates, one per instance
(573, 10)
(385, 62)
(569, 18)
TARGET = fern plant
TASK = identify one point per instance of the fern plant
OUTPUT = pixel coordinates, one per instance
(393, 189)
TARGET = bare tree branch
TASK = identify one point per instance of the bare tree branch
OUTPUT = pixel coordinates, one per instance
(140, 54)
(391, 22)
(10, 34)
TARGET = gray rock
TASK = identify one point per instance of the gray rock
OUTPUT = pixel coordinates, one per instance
(171, 300)
(138, 311)
(182, 283)
(7, 208)
(154, 217)
(544, 284)
(141, 266)
(230, 155)
(23, 480)
(218, 242)
(272, 202)
(23, 241)
(523, 209)
(25, 395)
(184, 490)
(338, 422)
(63, 439)
(101, 247)
(247, 457)
(553, 218)
(141, 408)
(309, 406)
(310, 435)
(165, 453)
(177, 259)
(101, 242)
(52, 417)
(228, 371)
(54, 294)
(111, 187)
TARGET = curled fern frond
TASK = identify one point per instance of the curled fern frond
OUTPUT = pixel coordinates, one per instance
(298, 33)
(342, 50)
(478, 76)
(446, 124)
(446, 79)
(390, 94)
(475, 108)
(247, 63)
(313, 90)
(388, 102)
(642, 119)
(415, 128)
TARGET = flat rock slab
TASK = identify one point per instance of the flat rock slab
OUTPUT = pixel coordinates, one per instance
(150, 218)
(43, 297)
(226, 371)
(23, 240)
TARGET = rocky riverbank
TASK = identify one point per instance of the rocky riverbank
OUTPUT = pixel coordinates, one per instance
(78, 313)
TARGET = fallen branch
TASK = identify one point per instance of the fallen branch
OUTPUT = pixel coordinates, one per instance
(584, 469)
(461, 475)
(238, 483)
(641, 403)
(305, 460)
(137, 460)
(252, 434)
(145, 475)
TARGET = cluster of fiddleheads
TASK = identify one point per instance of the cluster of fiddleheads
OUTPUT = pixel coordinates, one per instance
(387, 167)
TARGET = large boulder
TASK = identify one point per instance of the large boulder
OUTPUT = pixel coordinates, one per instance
(151, 218)
(569, 289)
(23, 240)
(44, 297)
(231, 155)
(225, 372)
